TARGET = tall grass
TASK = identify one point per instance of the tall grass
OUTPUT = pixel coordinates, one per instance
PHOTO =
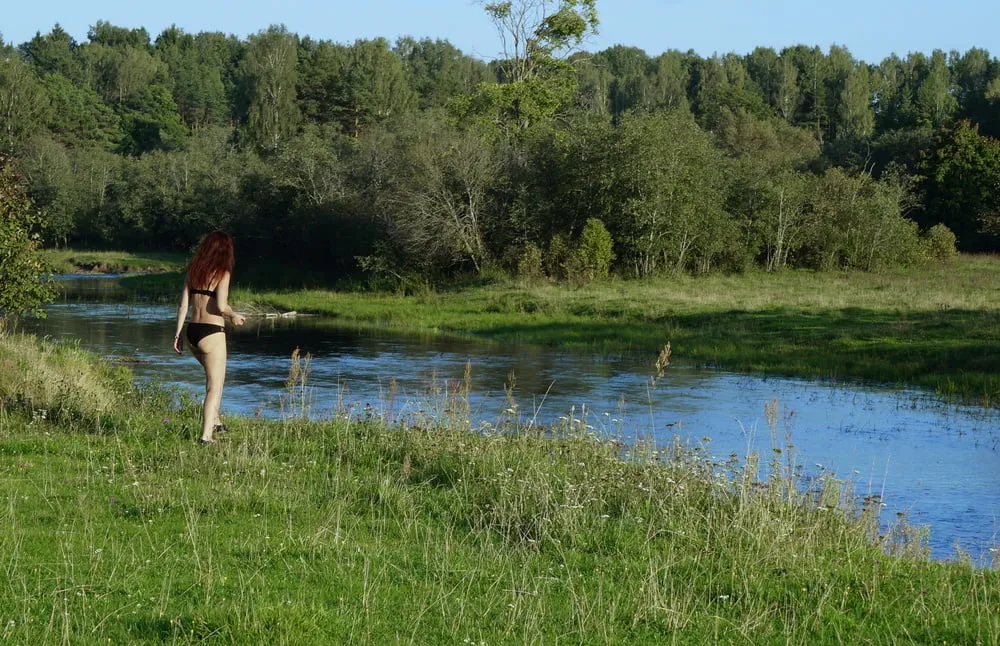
(59, 378)
(362, 530)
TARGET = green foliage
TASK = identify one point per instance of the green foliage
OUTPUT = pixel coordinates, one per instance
(292, 142)
(55, 53)
(534, 80)
(530, 265)
(151, 121)
(23, 103)
(595, 250)
(267, 83)
(104, 33)
(854, 222)
(514, 107)
(961, 185)
(439, 210)
(197, 70)
(354, 87)
(23, 286)
(121, 72)
(78, 116)
(855, 116)
(935, 99)
(371, 86)
(536, 31)
(666, 184)
(48, 168)
(940, 243)
(558, 258)
(438, 71)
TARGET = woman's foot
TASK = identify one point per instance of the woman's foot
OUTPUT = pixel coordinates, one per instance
(203, 441)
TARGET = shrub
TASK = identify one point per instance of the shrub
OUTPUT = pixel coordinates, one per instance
(595, 251)
(558, 258)
(939, 243)
(529, 262)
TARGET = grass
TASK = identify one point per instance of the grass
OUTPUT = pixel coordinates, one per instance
(119, 529)
(75, 261)
(58, 378)
(936, 328)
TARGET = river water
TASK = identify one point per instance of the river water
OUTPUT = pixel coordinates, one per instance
(938, 463)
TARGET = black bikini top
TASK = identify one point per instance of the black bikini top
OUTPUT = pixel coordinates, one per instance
(206, 292)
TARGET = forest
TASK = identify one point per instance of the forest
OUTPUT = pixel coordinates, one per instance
(414, 158)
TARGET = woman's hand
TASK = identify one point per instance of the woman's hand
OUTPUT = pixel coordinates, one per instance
(178, 344)
(238, 319)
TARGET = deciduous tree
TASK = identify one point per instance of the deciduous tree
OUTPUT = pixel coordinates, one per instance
(24, 287)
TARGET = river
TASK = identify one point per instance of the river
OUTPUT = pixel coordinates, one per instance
(937, 463)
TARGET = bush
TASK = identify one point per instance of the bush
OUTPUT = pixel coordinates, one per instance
(939, 243)
(529, 262)
(23, 285)
(595, 252)
(557, 260)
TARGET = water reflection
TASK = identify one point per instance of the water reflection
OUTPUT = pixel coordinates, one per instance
(939, 463)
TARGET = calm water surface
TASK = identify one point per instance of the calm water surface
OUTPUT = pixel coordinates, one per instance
(938, 463)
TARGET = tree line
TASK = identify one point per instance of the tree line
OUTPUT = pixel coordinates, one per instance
(414, 157)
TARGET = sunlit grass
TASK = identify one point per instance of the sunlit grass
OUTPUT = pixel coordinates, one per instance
(120, 529)
(59, 378)
(72, 261)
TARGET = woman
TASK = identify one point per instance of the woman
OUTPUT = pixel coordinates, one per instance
(206, 288)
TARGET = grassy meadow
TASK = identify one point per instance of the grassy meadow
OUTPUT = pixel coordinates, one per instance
(118, 528)
(936, 327)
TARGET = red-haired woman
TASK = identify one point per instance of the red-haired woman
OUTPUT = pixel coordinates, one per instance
(206, 288)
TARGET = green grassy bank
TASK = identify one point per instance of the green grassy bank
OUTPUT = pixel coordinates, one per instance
(119, 529)
(936, 328)
(73, 261)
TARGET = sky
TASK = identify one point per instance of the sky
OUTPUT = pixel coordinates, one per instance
(870, 29)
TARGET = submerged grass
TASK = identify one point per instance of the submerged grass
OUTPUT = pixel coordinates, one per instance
(120, 529)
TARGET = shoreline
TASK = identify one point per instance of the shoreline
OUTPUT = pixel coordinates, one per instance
(936, 329)
(323, 531)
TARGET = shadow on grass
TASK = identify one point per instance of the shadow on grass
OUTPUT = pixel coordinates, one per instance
(188, 627)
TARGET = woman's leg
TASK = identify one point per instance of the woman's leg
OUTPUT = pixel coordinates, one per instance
(211, 353)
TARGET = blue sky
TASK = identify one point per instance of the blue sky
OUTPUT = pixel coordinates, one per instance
(870, 29)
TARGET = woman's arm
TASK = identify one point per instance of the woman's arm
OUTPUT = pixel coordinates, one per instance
(222, 300)
(182, 310)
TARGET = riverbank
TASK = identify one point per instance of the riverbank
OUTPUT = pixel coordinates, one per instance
(936, 328)
(122, 530)
(75, 261)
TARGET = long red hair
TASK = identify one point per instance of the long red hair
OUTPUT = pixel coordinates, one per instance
(213, 258)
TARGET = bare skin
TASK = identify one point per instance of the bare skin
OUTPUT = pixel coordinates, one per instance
(211, 350)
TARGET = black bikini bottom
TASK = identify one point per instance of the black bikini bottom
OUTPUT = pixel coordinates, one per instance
(198, 331)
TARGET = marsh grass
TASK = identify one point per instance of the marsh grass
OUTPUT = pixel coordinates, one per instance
(360, 530)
